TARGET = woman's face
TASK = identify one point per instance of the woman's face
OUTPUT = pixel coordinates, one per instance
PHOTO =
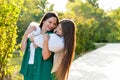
(50, 24)
(58, 30)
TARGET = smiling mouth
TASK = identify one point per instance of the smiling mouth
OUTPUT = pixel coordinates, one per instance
(49, 28)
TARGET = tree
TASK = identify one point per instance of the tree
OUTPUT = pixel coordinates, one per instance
(115, 16)
(71, 0)
(86, 24)
(9, 14)
(93, 24)
(93, 3)
(32, 10)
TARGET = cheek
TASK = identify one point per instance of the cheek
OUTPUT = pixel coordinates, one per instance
(46, 27)
(55, 27)
(61, 33)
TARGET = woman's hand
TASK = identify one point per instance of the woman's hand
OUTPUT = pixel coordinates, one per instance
(31, 38)
(35, 45)
(25, 36)
(30, 29)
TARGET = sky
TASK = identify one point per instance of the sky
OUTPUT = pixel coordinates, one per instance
(109, 4)
(59, 4)
(104, 4)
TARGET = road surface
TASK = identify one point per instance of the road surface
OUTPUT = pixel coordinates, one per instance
(100, 64)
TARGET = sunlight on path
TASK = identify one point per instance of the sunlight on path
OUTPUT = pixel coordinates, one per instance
(100, 64)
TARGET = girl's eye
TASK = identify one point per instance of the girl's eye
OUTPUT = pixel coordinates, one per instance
(49, 21)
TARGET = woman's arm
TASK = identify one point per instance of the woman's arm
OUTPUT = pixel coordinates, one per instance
(42, 41)
(55, 43)
(45, 50)
(24, 42)
(25, 37)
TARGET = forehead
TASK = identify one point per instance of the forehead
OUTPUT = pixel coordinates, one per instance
(59, 26)
(53, 19)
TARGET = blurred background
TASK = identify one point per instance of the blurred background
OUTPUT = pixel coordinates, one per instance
(97, 21)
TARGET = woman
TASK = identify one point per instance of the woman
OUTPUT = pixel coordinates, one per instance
(63, 59)
(39, 69)
(63, 46)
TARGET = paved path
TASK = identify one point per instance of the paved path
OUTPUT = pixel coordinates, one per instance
(100, 64)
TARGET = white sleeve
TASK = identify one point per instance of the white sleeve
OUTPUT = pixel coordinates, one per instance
(36, 25)
(55, 42)
(38, 40)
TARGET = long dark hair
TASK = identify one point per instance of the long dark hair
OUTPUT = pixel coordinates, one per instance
(48, 15)
(68, 30)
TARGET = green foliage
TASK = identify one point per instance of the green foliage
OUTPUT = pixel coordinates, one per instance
(115, 16)
(86, 25)
(93, 3)
(84, 36)
(16, 62)
(9, 14)
(28, 13)
(32, 10)
(93, 24)
(107, 28)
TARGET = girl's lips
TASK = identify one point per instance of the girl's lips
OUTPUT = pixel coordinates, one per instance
(49, 28)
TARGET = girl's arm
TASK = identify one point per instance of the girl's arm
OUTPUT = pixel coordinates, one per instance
(45, 50)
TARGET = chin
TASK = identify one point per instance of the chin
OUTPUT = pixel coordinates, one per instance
(48, 30)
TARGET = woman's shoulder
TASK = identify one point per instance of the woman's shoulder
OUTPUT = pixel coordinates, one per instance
(34, 24)
(55, 38)
(53, 35)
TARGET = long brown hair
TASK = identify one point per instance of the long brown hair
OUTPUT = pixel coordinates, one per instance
(68, 30)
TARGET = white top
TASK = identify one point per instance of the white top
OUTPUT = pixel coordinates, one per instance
(32, 48)
(55, 44)
(38, 30)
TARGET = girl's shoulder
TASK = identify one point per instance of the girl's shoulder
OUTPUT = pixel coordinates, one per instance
(53, 35)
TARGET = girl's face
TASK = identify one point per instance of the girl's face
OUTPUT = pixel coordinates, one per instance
(58, 30)
(50, 24)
